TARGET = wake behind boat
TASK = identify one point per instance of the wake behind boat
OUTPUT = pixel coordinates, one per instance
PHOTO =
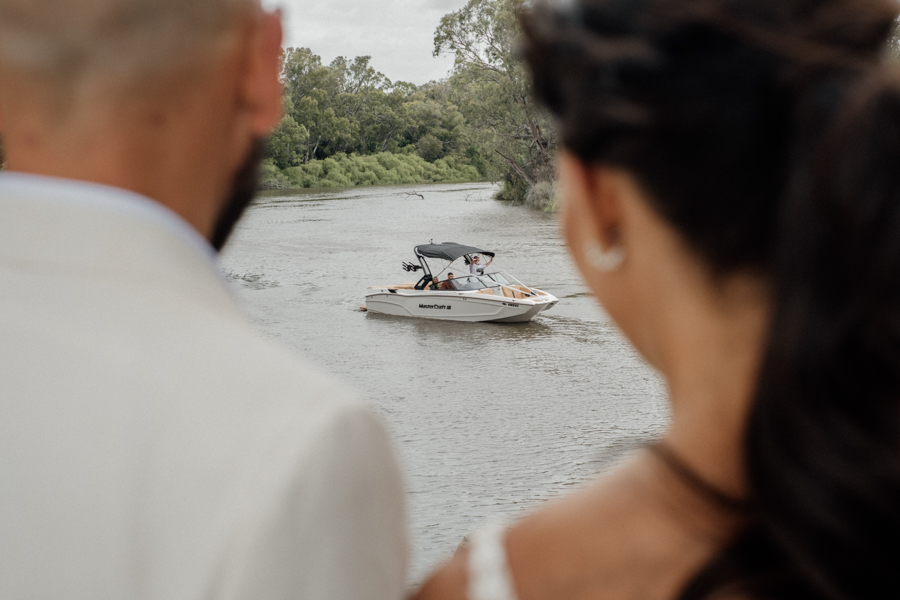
(476, 293)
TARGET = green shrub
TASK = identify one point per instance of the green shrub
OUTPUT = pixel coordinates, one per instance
(543, 195)
(386, 168)
(271, 177)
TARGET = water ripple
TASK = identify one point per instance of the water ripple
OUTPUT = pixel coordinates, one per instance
(489, 420)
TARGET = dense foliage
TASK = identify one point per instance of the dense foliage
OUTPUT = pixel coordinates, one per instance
(384, 168)
(347, 124)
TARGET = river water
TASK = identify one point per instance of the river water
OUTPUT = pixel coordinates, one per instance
(488, 419)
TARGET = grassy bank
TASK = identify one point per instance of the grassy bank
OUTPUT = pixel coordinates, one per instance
(342, 170)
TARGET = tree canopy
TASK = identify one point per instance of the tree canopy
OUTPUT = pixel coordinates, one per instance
(478, 123)
(495, 92)
(349, 107)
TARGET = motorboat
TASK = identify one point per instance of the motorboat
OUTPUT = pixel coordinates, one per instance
(458, 293)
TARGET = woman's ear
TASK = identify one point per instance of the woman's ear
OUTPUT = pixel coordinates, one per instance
(594, 194)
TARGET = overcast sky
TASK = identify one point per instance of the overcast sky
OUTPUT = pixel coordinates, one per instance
(397, 34)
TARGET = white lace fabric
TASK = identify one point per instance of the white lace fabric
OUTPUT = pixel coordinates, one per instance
(489, 574)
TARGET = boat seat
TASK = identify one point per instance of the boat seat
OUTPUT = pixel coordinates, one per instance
(528, 293)
(513, 293)
(487, 292)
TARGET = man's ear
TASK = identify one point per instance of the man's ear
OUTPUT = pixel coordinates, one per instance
(261, 89)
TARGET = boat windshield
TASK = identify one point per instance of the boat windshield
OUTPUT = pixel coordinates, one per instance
(468, 283)
(500, 279)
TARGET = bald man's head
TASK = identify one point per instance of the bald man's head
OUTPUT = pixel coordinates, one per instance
(67, 42)
(167, 98)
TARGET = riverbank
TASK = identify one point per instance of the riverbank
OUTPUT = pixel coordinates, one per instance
(387, 169)
(342, 171)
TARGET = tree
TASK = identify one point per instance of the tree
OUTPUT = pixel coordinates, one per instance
(328, 132)
(302, 72)
(430, 148)
(288, 144)
(494, 90)
(382, 124)
(435, 123)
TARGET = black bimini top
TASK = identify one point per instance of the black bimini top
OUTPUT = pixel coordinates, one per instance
(448, 251)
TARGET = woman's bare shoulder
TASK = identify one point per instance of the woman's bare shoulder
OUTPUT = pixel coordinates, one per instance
(624, 536)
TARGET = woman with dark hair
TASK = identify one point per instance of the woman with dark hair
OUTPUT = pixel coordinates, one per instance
(732, 196)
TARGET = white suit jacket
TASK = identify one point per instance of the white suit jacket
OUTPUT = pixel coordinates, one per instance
(152, 445)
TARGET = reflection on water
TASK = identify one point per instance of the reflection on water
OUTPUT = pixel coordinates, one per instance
(488, 419)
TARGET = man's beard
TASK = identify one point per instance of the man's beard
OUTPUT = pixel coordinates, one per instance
(242, 193)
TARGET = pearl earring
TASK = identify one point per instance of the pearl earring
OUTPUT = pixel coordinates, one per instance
(603, 260)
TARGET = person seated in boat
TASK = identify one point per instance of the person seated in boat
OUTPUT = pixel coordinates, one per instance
(476, 268)
(448, 283)
(434, 285)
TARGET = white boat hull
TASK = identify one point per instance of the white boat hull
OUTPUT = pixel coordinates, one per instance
(455, 306)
